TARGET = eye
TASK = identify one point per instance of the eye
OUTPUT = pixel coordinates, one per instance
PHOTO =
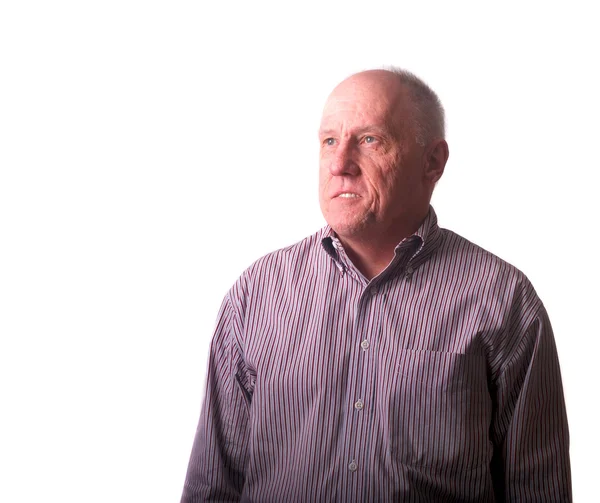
(329, 142)
(370, 139)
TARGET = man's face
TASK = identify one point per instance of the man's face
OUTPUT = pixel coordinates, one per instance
(371, 173)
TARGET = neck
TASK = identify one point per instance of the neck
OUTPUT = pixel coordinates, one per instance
(370, 261)
(372, 252)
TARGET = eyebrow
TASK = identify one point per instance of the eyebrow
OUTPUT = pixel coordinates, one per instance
(359, 131)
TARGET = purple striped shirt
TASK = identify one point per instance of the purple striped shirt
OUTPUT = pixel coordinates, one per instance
(436, 381)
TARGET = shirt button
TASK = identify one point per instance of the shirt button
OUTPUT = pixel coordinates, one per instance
(352, 466)
(359, 404)
(364, 344)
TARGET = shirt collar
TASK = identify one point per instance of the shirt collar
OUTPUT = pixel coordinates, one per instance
(424, 242)
(427, 236)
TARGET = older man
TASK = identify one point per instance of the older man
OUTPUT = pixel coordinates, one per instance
(383, 358)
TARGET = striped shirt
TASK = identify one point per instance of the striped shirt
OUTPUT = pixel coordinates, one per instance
(436, 381)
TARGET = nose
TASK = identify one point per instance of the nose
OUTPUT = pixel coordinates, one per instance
(342, 161)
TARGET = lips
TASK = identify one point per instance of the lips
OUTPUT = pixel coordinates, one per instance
(346, 194)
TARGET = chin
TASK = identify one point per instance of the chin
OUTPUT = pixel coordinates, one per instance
(349, 227)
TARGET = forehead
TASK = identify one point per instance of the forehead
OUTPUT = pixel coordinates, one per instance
(364, 100)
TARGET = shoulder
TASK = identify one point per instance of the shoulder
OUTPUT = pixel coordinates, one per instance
(289, 264)
(475, 259)
(286, 259)
(494, 277)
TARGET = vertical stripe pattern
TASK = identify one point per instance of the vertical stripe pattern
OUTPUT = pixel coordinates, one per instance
(436, 381)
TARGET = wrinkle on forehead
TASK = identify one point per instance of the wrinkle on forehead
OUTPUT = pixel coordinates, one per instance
(377, 85)
(372, 95)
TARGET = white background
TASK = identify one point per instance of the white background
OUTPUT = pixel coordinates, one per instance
(150, 151)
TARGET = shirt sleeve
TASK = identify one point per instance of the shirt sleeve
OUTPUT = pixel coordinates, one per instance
(216, 466)
(529, 430)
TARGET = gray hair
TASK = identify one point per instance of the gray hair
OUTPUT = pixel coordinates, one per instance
(429, 112)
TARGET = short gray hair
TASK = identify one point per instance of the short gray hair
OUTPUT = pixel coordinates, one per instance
(429, 112)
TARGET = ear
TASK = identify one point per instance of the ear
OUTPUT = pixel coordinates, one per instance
(434, 160)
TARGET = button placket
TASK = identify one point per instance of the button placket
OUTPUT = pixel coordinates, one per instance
(360, 445)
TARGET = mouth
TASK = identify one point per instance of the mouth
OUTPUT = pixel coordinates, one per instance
(347, 195)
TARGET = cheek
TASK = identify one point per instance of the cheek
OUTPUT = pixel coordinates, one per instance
(322, 190)
(390, 185)
(384, 176)
(324, 176)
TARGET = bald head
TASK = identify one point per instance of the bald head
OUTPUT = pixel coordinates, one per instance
(407, 97)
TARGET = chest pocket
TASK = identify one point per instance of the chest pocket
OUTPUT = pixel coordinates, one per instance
(440, 411)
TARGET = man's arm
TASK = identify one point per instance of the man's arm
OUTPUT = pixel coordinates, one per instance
(216, 467)
(530, 433)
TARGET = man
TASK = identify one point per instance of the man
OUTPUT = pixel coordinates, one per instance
(383, 358)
